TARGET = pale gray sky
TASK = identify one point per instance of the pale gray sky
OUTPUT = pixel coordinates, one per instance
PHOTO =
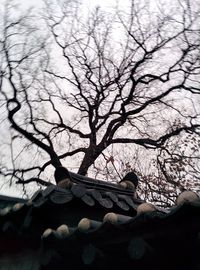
(87, 4)
(105, 3)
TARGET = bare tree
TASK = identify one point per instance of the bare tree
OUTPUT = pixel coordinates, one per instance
(73, 86)
(163, 173)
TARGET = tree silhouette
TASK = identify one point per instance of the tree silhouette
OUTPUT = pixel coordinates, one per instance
(74, 85)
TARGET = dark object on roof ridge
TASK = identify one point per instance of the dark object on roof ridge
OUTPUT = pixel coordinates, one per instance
(131, 177)
(61, 173)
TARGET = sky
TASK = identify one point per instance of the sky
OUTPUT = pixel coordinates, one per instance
(15, 190)
(38, 5)
(89, 3)
(104, 3)
(5, 187)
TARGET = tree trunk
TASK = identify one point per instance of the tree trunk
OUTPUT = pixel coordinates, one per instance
(90, 156)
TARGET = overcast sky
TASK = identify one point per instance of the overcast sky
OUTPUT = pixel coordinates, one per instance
(14, 190)
(91, 3)
(87, 4)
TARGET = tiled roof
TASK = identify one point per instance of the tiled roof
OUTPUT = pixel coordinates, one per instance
(89, 224)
